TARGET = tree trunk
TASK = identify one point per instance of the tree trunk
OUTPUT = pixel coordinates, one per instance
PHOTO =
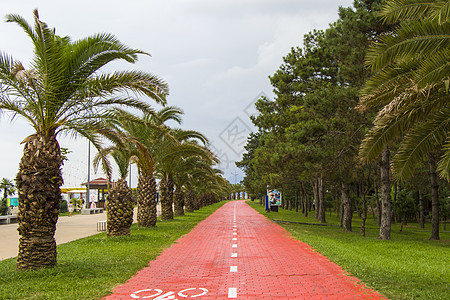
(119, 209)
(296, 201)
(189, 198)
(421, 210)
(434, 200)
(321, 200)
(358, 196)
(377, 199)
(304, 200)
(386, 206)
(38, 182)
(146, 198)
(347, 211)
(178, 202)
(364, 215)
(166, 192)
(394, 211)
(316, 198)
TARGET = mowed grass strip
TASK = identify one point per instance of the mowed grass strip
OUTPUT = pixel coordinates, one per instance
(409, 266)
(91, 267)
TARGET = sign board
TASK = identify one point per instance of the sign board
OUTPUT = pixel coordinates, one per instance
(93, 195)
(274, 197)
(13, 201)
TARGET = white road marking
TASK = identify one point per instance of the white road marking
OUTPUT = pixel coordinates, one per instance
(233, 254)
(232, 293)
(234, 239)
(234, 246)
(233, 269)
(234, 229)
(234, 233)
(204, 292)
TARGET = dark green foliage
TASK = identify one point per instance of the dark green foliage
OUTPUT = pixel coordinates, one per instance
(3, 207)
(63, 207)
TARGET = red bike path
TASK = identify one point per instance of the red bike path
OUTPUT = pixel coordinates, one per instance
(237, 253)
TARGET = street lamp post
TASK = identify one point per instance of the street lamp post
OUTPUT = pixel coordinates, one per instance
(88, 186)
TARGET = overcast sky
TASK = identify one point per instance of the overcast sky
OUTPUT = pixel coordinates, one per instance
(216, 56)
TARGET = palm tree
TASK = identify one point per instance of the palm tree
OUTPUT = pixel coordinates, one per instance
(147, 135)
(8, 188)
(119, 206)
(411, 83)
(171, 152)
(62, 92)
(187, 168)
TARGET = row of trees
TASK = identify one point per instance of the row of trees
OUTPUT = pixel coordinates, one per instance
(65, 91)
(353, 95)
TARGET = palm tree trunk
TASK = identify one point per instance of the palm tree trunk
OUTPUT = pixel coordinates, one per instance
(189, 198)
(146, 197)
(434, 200)
(178, 202)
(386, 206)
(166, 190)
(119, 213)
(38, 182)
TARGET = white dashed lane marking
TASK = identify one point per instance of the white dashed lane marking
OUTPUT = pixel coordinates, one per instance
(232, 293)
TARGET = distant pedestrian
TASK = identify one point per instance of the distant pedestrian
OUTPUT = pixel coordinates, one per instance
(70, 209)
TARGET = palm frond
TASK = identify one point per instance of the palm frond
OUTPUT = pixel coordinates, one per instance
(444, 163)
(139, 82)
(19, 20)
(435, 69)
(397, 10)
(424, 138)
(415, 39)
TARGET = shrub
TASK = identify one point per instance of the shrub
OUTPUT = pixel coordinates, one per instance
(63, 206)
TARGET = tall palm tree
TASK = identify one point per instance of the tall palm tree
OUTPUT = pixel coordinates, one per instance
(147, 134)
(411, 84)
(62, 92)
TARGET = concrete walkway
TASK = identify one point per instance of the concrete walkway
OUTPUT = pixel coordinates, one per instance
(67, 229)
(237, 253)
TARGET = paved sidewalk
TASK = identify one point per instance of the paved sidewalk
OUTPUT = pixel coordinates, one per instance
(237, 253)
(67, 229)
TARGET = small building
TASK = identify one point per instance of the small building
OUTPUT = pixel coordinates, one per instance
(98, 190)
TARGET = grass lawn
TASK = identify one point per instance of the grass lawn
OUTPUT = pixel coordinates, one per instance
(91, 267)
(409, 266)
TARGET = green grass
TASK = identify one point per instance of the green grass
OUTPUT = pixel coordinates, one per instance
(409, 266)
(91, 267)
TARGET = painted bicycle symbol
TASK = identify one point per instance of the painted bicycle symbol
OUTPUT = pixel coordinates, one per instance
(152, 293)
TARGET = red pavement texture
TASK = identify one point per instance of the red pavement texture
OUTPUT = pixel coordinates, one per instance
(270, 265)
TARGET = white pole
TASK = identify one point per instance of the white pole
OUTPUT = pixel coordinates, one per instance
(88, 186)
